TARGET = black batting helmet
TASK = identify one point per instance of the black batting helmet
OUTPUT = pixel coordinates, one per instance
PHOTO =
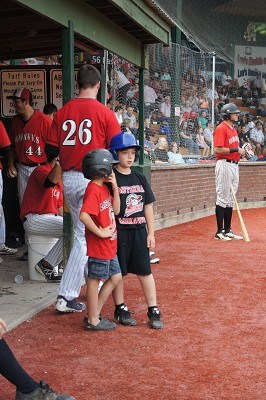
(98, 164)
(228, 109)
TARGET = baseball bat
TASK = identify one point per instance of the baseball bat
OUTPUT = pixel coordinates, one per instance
(242, 224)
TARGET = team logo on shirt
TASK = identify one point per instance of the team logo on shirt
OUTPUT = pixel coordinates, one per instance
(233, 139)
(55, 193)
(134, 204)
(105, 204)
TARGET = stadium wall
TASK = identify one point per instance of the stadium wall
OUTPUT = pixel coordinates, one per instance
(186, 193)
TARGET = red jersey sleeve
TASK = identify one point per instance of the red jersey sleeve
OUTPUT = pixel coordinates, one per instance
(60, 202)
(53, 137)
(220, 137)
(4, 139)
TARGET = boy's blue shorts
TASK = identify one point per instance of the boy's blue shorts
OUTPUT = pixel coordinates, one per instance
(102, 269)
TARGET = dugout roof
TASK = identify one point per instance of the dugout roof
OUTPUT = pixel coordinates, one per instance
(30, 28)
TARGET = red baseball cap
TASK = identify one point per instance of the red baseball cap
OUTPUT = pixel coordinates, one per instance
(186, 115)
(21, 93)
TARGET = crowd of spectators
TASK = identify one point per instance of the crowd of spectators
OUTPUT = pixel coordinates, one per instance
(193, 129)
(192, 132)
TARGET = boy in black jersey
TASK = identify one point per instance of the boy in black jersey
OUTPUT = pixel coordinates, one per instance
(135, 228)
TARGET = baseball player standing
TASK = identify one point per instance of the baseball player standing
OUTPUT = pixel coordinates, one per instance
(28, 133)
(81, 125)
(228, 152)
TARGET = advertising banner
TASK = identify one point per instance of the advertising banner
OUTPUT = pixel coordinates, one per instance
(249, 60)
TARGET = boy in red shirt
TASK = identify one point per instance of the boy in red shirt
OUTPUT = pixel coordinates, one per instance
(98, 215)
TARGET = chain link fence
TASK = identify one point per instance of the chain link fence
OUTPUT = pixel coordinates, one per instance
(184, 91)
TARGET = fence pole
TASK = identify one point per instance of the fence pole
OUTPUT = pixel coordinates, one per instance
(104, 77)
(213, 90)
(68, 93)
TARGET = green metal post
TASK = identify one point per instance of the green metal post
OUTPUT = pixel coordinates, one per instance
(68, 93)
(141, 167)
(104, 77)
(175, 81)
(141, 115)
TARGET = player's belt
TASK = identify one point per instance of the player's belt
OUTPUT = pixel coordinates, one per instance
(232, 162)
(25, 218)
(33, 164)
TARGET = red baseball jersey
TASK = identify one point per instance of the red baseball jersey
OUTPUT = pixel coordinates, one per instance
(98, 203)
(29, 137)
(4, 139)
(225, 136)
(38, 199)
(80, 126)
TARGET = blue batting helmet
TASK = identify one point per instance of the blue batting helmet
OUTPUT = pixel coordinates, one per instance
(124, 140)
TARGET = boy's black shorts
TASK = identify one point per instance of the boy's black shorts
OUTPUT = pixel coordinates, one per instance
(133, 253)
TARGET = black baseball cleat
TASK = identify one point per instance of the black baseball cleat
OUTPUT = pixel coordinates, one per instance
(155, 318)
(48, 272)
(122, 315)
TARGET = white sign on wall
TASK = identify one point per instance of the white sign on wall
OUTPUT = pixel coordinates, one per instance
(34, 80)
(249, 60)
(56, 86)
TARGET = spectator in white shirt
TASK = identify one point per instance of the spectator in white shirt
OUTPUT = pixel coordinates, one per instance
(226, 79)
(123, 85)
(118, 114)
(129, 115)
(257, 137)
(150, 97)
(165, 108)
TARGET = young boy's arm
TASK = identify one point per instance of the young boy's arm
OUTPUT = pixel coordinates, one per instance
(149, 215)
(92, 227)
(116, 198)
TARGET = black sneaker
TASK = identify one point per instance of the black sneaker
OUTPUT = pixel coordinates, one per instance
(122, 315)
(48, 272)
(155, 319)
(24, 257)
(44, 392)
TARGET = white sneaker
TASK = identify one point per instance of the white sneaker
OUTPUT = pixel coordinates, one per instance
(4, 250)
(221, 236)
(151, 253)
(232, 235)
(154, 260)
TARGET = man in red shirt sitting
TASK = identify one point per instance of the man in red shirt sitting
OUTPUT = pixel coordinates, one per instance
(42, 214)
